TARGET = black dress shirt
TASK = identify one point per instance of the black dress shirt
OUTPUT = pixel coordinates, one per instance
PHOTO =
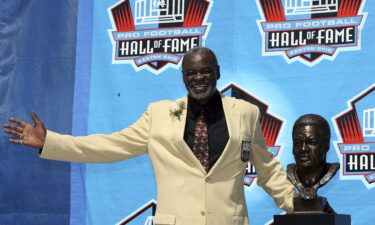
(217, 126)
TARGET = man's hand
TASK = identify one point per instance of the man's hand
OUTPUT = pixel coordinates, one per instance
(25, 133)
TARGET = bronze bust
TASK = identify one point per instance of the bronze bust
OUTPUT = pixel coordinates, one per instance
(311, 141)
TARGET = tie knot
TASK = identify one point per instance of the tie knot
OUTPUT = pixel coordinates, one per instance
(202, 116)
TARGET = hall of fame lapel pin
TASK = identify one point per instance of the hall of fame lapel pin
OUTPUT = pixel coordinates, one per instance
(245, 150)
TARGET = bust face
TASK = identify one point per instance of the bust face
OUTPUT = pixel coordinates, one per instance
(309, 147)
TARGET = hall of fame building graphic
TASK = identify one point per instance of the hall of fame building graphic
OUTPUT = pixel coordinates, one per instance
(155, 34)
(309, 31)
(269, 124)
(356, 146)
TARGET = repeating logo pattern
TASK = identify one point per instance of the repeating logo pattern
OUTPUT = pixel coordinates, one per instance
(309, 31)
(155, 34)
(270, 126)
(356, 146)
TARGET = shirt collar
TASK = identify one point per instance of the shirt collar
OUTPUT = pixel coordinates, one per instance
(213, 108)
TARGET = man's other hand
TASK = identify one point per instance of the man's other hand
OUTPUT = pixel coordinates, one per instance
(25, 133)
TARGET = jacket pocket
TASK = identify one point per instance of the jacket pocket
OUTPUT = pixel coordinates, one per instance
(164, 219)
(237, 220)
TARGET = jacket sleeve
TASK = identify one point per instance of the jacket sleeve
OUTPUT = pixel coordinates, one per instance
(271, 176)
(129, 142)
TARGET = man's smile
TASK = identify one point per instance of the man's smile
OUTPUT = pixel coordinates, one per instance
(199, 87)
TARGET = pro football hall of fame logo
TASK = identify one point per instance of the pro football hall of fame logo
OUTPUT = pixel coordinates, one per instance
(155, 34)
(356, 145)
(269, 124)
(309, 31)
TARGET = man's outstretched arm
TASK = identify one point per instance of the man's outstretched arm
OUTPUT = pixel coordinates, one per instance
(117, 146)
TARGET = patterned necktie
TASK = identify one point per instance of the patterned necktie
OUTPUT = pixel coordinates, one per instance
(200, 146)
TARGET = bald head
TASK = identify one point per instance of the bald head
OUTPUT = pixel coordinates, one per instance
(196, 50)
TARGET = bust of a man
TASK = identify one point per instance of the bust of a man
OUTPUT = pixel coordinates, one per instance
(311, 141)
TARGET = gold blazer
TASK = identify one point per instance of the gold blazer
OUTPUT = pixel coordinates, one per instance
(186, 194)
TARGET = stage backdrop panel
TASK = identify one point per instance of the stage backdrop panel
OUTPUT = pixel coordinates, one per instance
(287, 57)
(37, 64)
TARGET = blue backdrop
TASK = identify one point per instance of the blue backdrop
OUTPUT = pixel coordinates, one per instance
(37, 49)
(69, 61)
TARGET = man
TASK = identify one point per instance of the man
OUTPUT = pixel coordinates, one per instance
(198, 145)
(311, 141)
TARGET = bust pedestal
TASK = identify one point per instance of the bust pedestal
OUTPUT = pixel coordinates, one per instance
(312, 219)
(316, 205)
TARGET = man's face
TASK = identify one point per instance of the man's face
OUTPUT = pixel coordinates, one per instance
(309, 147)
(200, 73)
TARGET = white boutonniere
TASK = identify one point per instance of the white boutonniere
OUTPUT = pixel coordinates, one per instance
(176, 109)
